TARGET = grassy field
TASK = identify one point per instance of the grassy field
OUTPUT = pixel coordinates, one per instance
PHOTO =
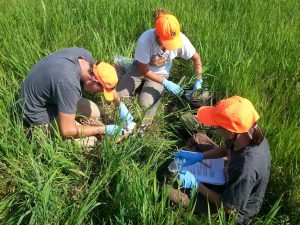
(249, 48)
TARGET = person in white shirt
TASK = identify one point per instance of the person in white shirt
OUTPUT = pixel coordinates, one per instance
(154, 53)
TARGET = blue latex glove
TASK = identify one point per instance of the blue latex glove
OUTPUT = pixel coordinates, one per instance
(170, 86)
(125, 114)
(187, 179)
(198, 84)
(190, 157)
(112, 129)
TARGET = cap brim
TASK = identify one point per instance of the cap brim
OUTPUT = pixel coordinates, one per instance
(173, 44)
(205, 115)
(108, 95)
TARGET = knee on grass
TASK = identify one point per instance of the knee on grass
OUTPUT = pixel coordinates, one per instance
(146, 103)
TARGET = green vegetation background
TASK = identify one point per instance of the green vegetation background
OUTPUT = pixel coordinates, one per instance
(249, 48)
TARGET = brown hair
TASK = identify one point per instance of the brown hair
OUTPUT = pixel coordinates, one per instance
(257, 135)
(159, 12)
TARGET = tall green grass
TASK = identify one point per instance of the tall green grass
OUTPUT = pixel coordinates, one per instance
(249, 48)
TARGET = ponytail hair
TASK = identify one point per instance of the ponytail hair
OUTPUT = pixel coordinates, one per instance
(158, 12)
(257, 135)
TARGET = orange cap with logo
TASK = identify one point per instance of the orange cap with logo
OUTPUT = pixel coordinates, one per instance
(168, 29)
(107, 77)
(235, 114)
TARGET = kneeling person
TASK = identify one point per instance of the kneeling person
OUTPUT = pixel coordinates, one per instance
(248, 152)
(53, 89)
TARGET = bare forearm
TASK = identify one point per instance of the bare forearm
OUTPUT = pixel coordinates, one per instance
(84, 131)
(212, 196)
(146, 72)
(197, 64)
(153, 76)
(215, 153)
(117, 99)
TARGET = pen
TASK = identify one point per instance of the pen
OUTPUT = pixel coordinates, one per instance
(206, 164)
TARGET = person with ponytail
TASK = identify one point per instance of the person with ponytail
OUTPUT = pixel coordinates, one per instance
(249, 159)
(154, 53)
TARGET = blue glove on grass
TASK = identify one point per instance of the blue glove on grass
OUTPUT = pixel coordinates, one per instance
(125, 114)
(198, 84)
(112, 129)
(187, 179)
(190, 157)
(170, 86)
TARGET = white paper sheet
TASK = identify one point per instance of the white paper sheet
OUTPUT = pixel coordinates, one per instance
(213, 175)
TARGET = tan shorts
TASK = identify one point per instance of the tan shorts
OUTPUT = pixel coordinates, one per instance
(133, 79)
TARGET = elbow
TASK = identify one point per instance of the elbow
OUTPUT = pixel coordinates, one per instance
(143, 68)
(143, 71)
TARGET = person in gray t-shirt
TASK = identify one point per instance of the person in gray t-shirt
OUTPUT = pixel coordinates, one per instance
(249, 158)
(53, 90)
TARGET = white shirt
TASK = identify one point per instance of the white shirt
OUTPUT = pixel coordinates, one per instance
(148, 52)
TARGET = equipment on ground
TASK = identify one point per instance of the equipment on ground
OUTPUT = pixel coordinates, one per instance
(196, 99)
(148, 118)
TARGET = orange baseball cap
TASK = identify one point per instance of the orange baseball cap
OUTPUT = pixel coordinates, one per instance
(107, 77)
(168, 29)
(235, 114)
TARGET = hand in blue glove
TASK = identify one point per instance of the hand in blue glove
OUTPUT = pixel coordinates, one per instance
(125, 114)
(170, 86)
(190, 157)
(187, 179)
(112, 129)
(198, 84)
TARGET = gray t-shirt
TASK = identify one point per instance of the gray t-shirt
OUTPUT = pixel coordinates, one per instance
(53, 85)
(249, 171)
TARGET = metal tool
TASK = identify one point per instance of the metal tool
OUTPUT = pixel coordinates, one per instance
(148, 118)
